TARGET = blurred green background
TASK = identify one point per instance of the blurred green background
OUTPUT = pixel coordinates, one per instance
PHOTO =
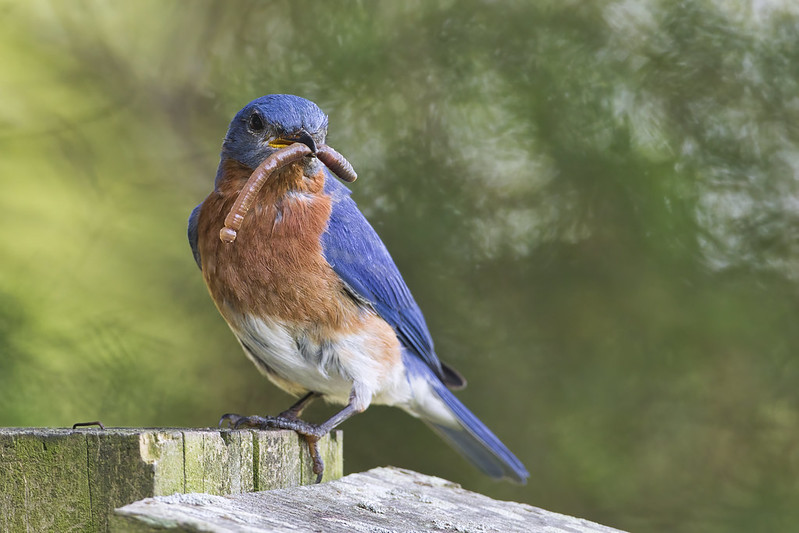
(596, 204)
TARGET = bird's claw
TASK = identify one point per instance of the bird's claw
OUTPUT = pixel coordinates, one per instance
(310, 432)
(316, 457)
(229, 420)
(235, 421)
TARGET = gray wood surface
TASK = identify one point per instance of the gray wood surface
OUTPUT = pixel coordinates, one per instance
(381, 500)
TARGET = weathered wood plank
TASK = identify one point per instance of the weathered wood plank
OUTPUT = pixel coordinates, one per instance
(39, 466)
(383, 499)
(72, 480)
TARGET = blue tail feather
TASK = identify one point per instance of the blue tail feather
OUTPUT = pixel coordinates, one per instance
(477, 443)
(472, 439)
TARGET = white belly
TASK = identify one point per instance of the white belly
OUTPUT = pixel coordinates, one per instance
(335, 367)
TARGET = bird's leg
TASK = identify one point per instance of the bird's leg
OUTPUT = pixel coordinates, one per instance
(310, 432)
(295, 410)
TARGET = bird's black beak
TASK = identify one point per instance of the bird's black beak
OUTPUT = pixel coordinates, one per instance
(301, 136)
(305, 138)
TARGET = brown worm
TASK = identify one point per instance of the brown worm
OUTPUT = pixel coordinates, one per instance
(336, 163)
(284, 156)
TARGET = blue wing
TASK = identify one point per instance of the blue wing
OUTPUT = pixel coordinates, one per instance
(360, 258)
(192, 233)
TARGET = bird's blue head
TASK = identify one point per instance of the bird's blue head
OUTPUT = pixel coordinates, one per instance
(271, 122)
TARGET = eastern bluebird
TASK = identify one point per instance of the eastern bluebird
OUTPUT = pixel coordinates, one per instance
(312, 294)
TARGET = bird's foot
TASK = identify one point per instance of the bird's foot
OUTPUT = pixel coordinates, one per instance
(306, 429)
(310, 432)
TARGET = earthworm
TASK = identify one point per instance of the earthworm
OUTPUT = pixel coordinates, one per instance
(284, 156)
(336, 163)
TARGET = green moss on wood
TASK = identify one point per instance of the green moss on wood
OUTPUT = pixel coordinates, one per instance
(36, 467)
(72, 480)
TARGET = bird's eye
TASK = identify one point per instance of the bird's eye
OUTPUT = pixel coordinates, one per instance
(256, 123)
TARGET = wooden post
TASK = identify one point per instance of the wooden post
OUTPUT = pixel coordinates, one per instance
(382, 499)
(72, 480)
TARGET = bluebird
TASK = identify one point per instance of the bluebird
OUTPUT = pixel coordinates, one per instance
(313, 296)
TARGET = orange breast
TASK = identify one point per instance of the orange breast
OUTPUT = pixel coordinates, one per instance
(275, 267)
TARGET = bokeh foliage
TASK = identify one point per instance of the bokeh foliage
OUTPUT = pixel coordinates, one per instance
(595, 203)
